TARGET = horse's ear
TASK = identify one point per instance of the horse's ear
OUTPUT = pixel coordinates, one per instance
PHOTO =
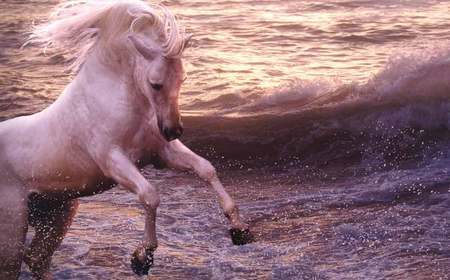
(141, 21)
(144, 50)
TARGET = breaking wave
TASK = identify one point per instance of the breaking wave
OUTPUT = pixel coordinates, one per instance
(400, 115)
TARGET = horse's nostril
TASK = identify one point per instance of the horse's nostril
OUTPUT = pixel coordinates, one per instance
(167, 134)
(172, 133)
(179, 131)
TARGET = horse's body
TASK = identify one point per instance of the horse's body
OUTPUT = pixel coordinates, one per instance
(121, 106)
(54, 150)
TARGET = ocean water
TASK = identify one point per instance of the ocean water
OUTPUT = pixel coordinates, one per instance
(329, 122)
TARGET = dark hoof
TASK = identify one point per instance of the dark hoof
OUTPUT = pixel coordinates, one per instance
(142, 261)
(241, 237)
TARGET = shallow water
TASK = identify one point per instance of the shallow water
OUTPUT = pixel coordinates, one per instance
(329, 121)
(335, 229)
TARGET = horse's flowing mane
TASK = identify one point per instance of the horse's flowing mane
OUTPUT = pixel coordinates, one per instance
(75, 28)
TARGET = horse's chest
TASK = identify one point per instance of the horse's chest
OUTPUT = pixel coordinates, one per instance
(135, 146)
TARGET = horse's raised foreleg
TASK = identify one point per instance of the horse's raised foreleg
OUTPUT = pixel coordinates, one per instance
(123, 171)
(13, 228)
(177, 155)
(51, 220)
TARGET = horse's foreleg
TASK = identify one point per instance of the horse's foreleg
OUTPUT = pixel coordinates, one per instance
(177, 155)
(13, 228)
(124, 172)
(51, 221)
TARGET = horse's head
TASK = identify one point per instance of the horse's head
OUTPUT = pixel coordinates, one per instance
(150, 41)
(160, 83)
(140, 41)
(158, 69)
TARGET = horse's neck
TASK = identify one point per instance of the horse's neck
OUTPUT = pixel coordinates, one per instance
(97, 94)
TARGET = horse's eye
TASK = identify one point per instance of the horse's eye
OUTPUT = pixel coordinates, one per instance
(156, 87)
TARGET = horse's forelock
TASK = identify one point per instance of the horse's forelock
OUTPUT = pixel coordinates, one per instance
(172, 36)
(76, 27)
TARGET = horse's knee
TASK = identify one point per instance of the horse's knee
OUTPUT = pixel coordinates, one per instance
(149, 197)
(206, 170)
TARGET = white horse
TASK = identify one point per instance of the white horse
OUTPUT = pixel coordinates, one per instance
(121, 106)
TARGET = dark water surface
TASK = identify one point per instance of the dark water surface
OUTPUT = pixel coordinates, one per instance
(329, 122)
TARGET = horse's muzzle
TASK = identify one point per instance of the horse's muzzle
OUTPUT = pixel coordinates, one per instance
(172, 133)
